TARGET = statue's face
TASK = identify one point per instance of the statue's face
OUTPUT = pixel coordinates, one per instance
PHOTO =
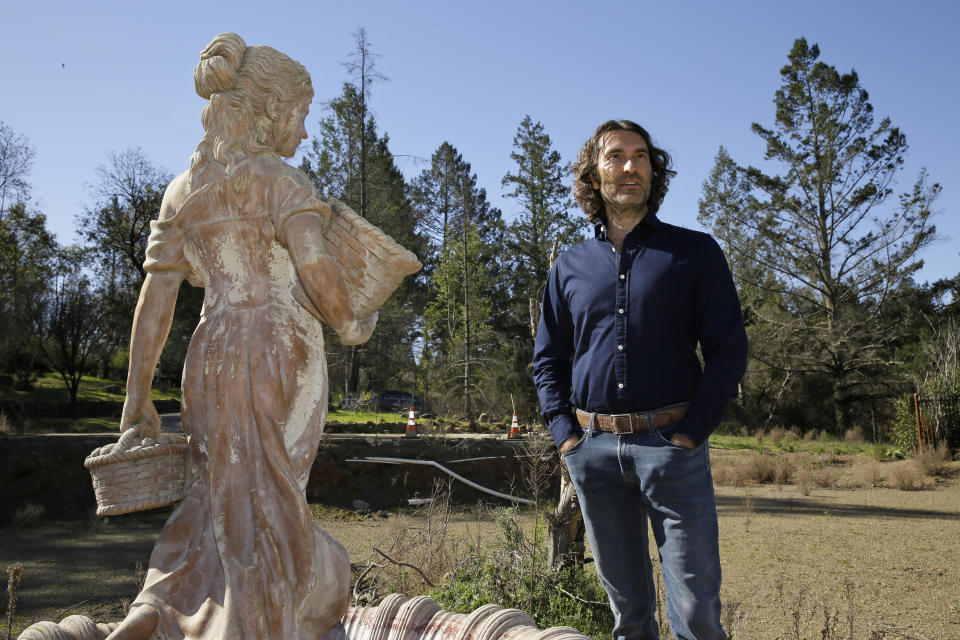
(290, 128)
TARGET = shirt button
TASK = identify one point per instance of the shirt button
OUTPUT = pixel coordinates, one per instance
(621, 311)
(614, 249)
(620, 386)
(619, 347)
(623, 277)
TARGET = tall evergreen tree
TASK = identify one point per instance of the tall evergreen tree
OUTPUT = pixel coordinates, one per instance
(543, 227)
(826, 242)
(537, 186)
(462, 344)
(350, 162)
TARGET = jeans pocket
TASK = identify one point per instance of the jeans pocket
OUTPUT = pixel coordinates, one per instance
(667, 432)
(578, 445)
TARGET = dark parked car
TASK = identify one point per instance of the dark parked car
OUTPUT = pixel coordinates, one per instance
(400, 401)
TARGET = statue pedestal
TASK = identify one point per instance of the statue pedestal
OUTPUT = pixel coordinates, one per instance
(397, 617)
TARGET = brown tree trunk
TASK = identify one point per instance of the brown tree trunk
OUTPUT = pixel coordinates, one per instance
(565, 546)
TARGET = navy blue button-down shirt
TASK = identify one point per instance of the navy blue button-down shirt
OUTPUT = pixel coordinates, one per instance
(619, 331)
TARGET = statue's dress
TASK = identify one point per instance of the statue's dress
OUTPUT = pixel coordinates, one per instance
(240, 557)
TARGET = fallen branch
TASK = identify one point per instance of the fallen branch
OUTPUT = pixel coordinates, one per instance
(902, 632)
(454, 475)
(406, 564)
(60, 615)
(356, 596)
(579, 599)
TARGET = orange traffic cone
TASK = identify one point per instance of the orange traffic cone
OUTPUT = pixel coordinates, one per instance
(411, 426)
(514, 427)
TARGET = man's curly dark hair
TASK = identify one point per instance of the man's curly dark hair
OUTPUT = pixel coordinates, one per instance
(586, 168)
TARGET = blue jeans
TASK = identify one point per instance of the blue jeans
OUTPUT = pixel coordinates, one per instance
(622, 480)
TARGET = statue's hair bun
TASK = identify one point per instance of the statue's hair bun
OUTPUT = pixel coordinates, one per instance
(219, 63)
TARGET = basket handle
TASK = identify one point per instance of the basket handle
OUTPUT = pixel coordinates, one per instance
(140, 429)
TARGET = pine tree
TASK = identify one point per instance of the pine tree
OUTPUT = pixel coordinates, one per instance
(465, 233)
(350, 162)
(544, 200)
(543, 227)
(822, 247)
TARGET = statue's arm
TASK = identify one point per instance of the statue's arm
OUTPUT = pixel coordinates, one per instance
(302, 234)
(151, 325)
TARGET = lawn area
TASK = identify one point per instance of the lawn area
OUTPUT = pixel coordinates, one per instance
(822, 443)
(50, 388)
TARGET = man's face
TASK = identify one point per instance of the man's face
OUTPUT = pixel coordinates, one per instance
(623, 170)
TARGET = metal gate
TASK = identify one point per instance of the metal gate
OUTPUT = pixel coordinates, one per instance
(938, 421)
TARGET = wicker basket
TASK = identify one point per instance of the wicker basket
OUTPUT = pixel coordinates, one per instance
(136, 479)
(371, 263)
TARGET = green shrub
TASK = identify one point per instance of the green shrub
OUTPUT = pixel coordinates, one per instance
(903, 434)
(514, 573)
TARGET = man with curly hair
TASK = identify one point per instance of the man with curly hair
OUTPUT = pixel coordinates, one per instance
(624, 392)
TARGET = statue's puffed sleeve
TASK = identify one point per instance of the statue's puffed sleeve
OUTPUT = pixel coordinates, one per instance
(290, 194)
(165, 250)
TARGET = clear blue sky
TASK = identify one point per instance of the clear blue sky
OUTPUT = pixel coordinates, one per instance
(81, 79)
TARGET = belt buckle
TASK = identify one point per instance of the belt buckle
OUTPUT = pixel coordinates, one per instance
(615, 426)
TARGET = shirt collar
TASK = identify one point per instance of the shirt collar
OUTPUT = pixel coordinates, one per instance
(651, 220)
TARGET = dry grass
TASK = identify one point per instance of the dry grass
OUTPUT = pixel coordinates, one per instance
(872, 475)
(906, 478)
(875, 557)
(854, 434)
(827, 469)
(933, 461)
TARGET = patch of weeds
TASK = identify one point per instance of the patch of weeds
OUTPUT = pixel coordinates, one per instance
(906, 477)
(815, 475)
(803, 619)
(873, 475)
(412, 555)
(881, 452)
(27, 514)
(777, 435)
(14, 576)
(514, 572)
(933, 461)
(826, 457)
(755, 468)
(853, 435)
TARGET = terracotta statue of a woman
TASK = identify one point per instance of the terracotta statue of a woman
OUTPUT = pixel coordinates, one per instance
(240, 557)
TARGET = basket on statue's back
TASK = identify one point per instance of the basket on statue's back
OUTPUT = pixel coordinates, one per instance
(137, 474)
(371, 263)
(153, 472)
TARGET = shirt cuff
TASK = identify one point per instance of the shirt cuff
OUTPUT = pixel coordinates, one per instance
(563, 426)
(693, 428)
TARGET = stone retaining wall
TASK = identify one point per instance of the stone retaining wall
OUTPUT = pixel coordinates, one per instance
(45, 473)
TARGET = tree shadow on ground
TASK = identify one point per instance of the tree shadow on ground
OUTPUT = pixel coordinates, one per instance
(802, 507)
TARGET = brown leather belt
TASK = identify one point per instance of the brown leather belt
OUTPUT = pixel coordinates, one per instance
(633, 422)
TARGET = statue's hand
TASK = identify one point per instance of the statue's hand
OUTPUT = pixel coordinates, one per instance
(141, 416)
(359, 331)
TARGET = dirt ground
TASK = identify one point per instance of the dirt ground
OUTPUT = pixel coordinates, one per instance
(886, 558)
